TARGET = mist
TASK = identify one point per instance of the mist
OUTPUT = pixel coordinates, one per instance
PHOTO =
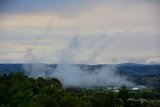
(70, 73)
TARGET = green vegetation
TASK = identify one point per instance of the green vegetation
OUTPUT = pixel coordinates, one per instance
(17, 90)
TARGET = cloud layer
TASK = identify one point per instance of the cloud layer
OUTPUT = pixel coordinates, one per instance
(48, 26)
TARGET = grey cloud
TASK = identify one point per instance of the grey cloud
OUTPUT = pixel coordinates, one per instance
(59, 7)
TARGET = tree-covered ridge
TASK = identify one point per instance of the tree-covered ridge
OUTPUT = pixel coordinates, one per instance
(18, 90)
(146, 75)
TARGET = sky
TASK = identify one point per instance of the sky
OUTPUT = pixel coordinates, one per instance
(107, 31)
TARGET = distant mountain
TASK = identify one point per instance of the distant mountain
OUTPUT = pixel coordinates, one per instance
(9, 68)
(138, 69)
(142, 74)
(130, 69)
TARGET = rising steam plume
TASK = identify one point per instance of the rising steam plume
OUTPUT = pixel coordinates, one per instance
(72, 75)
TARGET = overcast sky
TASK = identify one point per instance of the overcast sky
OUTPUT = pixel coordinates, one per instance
(107, 31)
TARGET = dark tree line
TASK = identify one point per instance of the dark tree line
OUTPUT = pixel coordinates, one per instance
(17, 90)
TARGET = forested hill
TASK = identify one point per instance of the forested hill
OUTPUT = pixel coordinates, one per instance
(148, 75)
(18, 90)
(125, 69)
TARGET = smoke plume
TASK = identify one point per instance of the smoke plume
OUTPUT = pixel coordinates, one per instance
(72, 75)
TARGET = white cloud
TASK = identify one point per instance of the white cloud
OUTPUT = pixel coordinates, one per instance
(153, 61)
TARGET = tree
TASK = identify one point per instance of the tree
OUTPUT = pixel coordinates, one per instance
(124, 95)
